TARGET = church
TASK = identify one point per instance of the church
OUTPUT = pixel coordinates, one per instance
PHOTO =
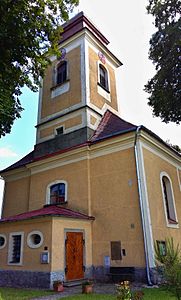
(97, 191)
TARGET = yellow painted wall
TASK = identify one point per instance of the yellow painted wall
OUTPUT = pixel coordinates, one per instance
(66, 100)
(31, 257)
(95, 97)
(115, 205)
(58, 241)
(67, 124)
(16, 197)
(154, 165)
(76, 176)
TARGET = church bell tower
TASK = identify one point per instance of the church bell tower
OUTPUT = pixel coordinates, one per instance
(78, 87)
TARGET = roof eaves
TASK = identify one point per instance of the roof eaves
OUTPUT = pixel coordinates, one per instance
(154, 135)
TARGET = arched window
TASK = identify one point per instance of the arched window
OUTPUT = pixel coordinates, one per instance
(61, 72)
(57, 192)
(103, 77)
(168, 200)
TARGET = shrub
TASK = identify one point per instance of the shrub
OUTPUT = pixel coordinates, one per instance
(171, 266)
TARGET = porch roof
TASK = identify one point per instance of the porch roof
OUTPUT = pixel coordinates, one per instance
(49, 210)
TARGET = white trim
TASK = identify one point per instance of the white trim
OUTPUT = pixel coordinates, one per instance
(144, 202)
(10, 248)
(60, 89)
(101, 91)
(155, 147)
(87, 73)
(98, 46)
(29, 240)
(95, 152)
(96, 116)
(63, 112)
(52, 183)
(5, 240)
(179, 179)
(55, 130)
(173, 200)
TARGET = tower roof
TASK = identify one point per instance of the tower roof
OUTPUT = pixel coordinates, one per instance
(77, 24)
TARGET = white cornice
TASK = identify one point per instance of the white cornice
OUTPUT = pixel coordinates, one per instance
(156, 147)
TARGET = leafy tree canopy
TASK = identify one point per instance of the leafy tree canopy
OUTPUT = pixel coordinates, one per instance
(29, 32)
(165, 52)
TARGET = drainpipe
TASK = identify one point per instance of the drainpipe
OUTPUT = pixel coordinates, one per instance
(141, 204)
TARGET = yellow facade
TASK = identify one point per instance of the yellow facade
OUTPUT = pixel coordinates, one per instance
(73, 96)
(95, 98)
(16, 196)
(154, 166)
(31, 257)
(67, 124)
(115, 202)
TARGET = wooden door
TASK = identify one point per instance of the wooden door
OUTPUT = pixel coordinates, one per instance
(74, 255)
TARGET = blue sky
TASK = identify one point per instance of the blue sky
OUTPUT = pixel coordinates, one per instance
(128, 28)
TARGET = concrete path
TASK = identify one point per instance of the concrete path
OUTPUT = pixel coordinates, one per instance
(98, 289)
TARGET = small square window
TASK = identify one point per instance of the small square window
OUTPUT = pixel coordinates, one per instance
(59, 130)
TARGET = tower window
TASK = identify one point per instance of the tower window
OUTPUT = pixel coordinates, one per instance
(103, 77)
(58, 193)
(168, 200)
(61, 72)
(59, 130)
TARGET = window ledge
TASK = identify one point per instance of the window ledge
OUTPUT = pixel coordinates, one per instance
(60, 84)
(56, 204)
(103, 87)
(172, 225)
(103, 92)
(60, 89)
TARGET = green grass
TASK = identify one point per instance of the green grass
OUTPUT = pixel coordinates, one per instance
(149, 294)
(157, 294)
(21, 294)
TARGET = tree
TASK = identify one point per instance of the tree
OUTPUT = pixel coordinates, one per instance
(170, 261)
(29, 33)
(165, 53)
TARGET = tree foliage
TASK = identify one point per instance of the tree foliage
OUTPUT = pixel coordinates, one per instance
(165, 53)
(171, 266)
(29, 32)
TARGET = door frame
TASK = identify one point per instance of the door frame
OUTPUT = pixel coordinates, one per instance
(84, 248)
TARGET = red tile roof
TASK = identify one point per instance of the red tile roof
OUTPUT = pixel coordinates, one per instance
(111, 125)
(50, 210)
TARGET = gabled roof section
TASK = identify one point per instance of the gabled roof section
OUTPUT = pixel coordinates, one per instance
(110, 126)
(50, 210)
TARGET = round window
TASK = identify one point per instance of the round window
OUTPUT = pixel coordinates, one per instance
(35, 239)
(2, 241)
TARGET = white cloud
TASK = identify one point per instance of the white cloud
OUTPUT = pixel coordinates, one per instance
(7, 152)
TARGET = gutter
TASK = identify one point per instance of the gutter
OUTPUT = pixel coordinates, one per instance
(141, 205)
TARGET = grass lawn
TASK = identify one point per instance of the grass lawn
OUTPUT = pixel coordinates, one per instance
(149, 294)
(21, 294)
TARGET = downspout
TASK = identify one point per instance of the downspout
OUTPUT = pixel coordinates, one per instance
(141, 205)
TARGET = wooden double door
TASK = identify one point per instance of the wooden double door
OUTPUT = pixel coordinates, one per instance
(74, 252)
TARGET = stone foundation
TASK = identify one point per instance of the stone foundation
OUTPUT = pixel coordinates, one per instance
(44, 280)
(29, 279)
(100, 274)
